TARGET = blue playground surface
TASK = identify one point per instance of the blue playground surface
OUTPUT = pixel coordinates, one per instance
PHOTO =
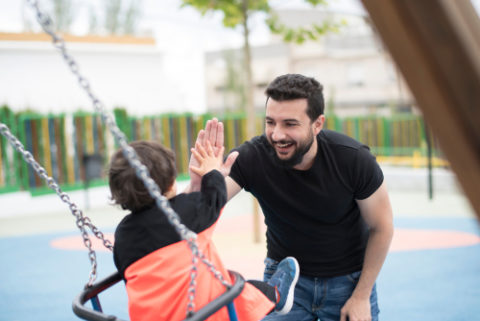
(39, 282)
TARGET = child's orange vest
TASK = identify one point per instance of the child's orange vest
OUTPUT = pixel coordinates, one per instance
(157, 285)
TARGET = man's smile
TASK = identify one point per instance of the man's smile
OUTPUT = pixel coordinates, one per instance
(283, 147)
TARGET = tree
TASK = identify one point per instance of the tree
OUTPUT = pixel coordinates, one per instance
(120, 17)
(113, 16)
(131, 18)
(236, 13)
(92, 20)
(62, 14)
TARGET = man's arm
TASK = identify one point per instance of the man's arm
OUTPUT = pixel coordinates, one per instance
(232, 187)
(377, 213)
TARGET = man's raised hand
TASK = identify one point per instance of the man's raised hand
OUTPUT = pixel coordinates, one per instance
(213, 133)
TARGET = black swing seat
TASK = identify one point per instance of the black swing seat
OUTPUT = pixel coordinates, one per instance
(91, 293)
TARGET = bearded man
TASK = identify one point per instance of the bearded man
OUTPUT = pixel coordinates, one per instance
(324, 199)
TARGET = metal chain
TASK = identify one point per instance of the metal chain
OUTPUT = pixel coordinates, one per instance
(81, 221)
(131, 156)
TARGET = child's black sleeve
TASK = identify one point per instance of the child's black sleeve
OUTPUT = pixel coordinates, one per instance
(214, 190)
(199, 210)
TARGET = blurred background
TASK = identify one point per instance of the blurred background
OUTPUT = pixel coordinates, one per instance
(163, 68)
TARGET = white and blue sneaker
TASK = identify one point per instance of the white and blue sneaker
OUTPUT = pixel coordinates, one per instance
(284, 280)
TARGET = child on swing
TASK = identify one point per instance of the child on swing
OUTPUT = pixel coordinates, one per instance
(156, 264)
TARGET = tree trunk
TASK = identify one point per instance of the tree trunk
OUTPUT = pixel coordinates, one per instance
(250, 109)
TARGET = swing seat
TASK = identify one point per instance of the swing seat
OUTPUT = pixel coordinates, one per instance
(97, 314)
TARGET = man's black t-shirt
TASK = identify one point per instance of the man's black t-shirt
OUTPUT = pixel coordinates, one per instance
(312, 215)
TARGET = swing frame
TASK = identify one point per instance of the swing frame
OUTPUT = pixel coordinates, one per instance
(96, 314)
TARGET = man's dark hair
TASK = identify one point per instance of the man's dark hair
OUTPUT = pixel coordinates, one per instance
(294, 86)
(127, 189)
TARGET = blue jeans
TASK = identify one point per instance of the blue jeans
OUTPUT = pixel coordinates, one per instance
(319, 298)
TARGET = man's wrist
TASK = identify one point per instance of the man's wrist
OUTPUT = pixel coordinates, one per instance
(362, 293)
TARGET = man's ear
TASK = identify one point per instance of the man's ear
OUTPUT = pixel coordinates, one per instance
(318, 124)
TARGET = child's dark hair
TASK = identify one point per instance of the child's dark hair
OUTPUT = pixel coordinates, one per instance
(294, 86)
(127, 189)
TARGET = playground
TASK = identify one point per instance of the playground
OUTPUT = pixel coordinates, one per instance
(430, 273)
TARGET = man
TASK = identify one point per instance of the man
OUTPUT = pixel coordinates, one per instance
(324, 201)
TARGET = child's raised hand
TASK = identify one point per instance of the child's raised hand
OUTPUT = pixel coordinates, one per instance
(206, 157)
(213, 132)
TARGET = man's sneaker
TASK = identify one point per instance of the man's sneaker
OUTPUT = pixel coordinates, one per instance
(284, 280)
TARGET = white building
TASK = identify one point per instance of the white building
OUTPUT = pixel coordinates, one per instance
(123, 72)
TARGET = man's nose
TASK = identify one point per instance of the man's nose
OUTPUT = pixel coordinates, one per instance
(278, 134)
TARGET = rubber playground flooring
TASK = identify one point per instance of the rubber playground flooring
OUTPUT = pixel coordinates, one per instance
(431, 273)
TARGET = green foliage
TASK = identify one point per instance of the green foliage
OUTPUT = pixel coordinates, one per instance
(131, 18)
(233, 10)
(234, 14)
(317, 2)
(5, 109)
(301, 34)
(112, 15)
(63, 14)
(120, 17)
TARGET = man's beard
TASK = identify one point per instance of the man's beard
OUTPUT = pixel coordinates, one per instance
(297, 156)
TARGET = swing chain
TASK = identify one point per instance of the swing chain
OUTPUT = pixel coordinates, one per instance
(81, 220)
(193, 283)
(130, 154)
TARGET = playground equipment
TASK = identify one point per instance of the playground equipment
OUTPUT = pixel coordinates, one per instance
(92, 289)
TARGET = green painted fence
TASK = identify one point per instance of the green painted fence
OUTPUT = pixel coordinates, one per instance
(9, 160)
(59, 142)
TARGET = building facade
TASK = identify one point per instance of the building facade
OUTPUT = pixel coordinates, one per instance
(357, 73)
(123, 71)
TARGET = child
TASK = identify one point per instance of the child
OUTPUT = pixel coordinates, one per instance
(156, 264)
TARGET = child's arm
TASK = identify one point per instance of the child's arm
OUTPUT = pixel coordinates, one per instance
(212, 133)
(207, 160)
(204, 206)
